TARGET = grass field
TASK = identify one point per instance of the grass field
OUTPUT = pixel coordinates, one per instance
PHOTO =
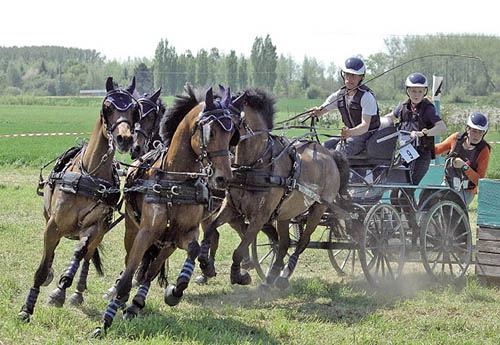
(319, 307)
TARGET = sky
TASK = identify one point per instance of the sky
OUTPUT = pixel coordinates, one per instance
(329, 31)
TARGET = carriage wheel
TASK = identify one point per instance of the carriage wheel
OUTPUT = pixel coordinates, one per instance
(446, 241)
(265, 248)
(382, 248)
(344, 260)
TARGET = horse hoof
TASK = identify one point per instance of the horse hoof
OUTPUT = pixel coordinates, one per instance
(131, 312)
(97, 333)
(170, 298)
(57, 297)
(24, 316)
(282, 283)
(50, 277)
(110, 294)
(244, 278)
(201, 279)
(76, 299)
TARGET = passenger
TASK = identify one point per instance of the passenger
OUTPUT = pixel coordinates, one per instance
(471, 154)
(418, 116)
(357, 105)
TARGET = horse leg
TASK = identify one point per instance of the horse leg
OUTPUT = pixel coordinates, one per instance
(58, 295)
(142, 242)
(77, 297)
(315, 213)
(131, 230)
(153, 268)
(241, 252)
(51, 240)
(283, 240)
(174, 293)
(210, 244)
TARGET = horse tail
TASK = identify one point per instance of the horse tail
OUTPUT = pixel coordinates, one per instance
(162, 278)
(343, 166)
(96, 260)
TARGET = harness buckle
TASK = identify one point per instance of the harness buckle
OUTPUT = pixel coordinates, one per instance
(174, 190)
(156, 188)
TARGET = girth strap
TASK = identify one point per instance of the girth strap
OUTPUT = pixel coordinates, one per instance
(95, 188)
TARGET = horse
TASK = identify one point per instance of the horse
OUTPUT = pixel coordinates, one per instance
(147, 129)
(275, 180)
(172, 194)
(82, 192)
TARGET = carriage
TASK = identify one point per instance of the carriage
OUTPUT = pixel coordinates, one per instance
(390, 222)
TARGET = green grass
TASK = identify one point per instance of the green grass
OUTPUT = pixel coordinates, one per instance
(318, 308)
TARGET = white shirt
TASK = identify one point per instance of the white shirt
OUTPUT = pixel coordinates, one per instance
(368, 103)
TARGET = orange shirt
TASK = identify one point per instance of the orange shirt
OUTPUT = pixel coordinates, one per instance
(482, 160)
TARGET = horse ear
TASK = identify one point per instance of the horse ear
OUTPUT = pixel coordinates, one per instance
(109, 84)
(226, 96)
(156, 95)
(131, 87)
(209, 100)
(238, 102)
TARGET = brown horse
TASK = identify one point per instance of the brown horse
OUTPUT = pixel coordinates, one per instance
(82, 192)
(147, 129)
(275, 179)
(172, 194)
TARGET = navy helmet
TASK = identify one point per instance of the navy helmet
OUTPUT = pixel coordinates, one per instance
(478, 121)
(354, 65)
(416, 80)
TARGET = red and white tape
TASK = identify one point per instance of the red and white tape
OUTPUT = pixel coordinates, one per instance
(42, 134)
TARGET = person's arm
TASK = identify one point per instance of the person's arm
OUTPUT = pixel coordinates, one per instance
(328, 104)
(483, 160)
(362, 128)
(446, 145)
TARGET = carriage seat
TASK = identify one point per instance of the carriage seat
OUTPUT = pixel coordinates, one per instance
(377, 153)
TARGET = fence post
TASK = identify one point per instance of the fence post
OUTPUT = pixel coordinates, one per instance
(437, 82)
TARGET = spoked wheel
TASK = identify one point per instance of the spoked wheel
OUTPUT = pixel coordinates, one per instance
(345, 240)
(382, 248)
(265, 248)
(446, 241)
(344, 257)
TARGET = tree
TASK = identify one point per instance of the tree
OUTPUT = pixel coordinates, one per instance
(143, 78)
(232, 70)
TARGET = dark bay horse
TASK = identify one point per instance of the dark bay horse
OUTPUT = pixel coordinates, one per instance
(147, 129)
(82, 192)
(275, 180)
(171, 195)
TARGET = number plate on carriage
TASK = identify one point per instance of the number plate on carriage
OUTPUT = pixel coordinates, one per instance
(408, 153)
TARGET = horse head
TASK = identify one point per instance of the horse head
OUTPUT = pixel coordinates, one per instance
(146, 130)
(119, 113)
(215, 131)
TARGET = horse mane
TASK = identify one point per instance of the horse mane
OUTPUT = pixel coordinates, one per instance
(263, 101)
(181, 107)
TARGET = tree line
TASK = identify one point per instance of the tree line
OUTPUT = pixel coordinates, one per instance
(469, 64)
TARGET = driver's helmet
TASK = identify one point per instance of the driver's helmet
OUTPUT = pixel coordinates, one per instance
(478, 121)
(416, 80)
(354, 65)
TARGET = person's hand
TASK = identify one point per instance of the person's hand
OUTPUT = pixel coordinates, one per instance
(458, 163)
(316, 111)
(344, 132)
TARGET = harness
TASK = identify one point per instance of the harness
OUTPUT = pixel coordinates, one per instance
(82, 183)
(260, 177)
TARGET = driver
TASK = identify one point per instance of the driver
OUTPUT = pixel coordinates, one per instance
(357, 105)
(470, 154)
